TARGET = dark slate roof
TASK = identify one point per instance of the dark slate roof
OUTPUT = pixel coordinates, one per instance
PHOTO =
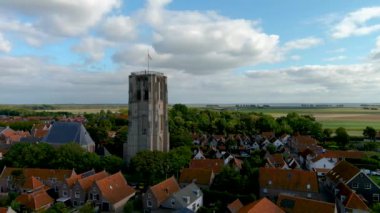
(66, 132)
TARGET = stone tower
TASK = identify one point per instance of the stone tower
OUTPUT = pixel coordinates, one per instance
(148, 114)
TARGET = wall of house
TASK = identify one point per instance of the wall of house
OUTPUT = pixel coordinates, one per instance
(148, 196)
(273, 194)
(361, 180)
(82, 195)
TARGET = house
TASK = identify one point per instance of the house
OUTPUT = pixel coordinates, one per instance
(276, 161)
(39, 131)
(159, 193)
(199, 155)
(348, 201)
(202, 177)
(322, 163)
(274, 181)
(294, 204)
(34, 196)
(36, 201)
(278, 144)
(215, 165)
(262, 205)
(53, 178)
(354, 178)
(268, 135)
(65, 191)
(190, 197)
(9, 136)
(111, 193)
(79, 191)
(235, 206)
(67, 132)
(301, 142)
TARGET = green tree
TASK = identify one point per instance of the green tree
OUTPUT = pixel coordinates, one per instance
(370, 133)
(149, 165)
(229, 180)
(58, 207)
(341, 137)
(112, 163)
(87, 208)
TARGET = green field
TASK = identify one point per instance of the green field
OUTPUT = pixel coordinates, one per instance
(354, 119)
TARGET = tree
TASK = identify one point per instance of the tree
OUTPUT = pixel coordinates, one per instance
(229, 180)
(341, 137)
(112, 163)
(370, 133)
(327, 133)
(58, 207)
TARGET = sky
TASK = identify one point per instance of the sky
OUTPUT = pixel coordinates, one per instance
(212, 51)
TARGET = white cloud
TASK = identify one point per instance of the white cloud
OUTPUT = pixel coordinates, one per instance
(5, 45)
(119, 28)
(356, 23)
(336, 58)
(201, 42)
(317, 83)
(303, 43)
(374, 56)
(295, 57)
(61, 17)
(92, 47)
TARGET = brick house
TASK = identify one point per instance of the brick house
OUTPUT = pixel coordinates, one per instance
(111, 193)
(274, 181)
(357, 180)
(202, 177)
(157, 194)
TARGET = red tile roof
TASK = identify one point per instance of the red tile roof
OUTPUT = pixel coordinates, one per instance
(295, 180)
(341, 154)
(43, 174)
(198, 176)
(235, 206)
(35, 200)
(352, 200)
(87, 182)
(163, 190)
(115, 188)
(276, 160)
(342, 171)
(260, 206)
(293, 204)
(3, 210)
(215, 164)
(32, 183)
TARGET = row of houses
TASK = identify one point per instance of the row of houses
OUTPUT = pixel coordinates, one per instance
(40, 188)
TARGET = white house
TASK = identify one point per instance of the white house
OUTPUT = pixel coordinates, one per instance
(190, 197)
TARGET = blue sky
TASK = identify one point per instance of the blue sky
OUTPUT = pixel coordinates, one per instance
(215, 51)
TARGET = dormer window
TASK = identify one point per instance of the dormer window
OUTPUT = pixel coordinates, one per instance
(308, 187)
(269, 182)
(355, 185)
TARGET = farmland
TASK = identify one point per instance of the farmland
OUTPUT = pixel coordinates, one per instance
(354, 120)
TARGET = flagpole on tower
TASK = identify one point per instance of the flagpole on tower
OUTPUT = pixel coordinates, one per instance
(148, 58)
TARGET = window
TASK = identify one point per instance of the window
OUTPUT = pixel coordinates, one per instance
(375, 197)
(265, 190)
(308, 186)
(367, 186)
(172, 202)
(77, 194)
(146, 95)
(355, 185)
(149, 203)
(269, 182)
(64, 193)
(309, 195)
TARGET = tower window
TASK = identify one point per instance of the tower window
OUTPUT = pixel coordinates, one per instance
(138, 95)
(146, 95)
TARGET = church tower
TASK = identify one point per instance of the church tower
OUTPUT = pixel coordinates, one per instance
(147, 113)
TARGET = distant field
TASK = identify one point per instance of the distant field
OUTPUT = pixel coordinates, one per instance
(354, 120)
(87, 108)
